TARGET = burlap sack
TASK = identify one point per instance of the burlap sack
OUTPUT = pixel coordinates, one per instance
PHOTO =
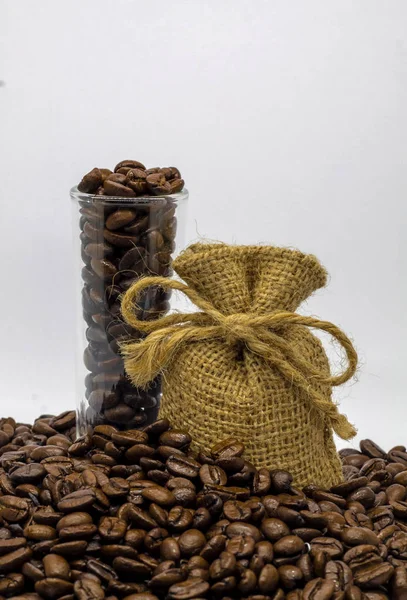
(246, 365)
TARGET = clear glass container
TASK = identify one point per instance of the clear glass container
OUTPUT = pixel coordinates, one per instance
(117, 241)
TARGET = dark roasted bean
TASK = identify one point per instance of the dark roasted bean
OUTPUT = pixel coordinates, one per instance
(179, 518)
(373, 575)
(12, 560)
(319, 589)
(241, 528)
(183, 466)
(328, 546)
(274, 529)
(159, 495)
(355, 536)
(191, 542)
(192, 587)
(213, 547)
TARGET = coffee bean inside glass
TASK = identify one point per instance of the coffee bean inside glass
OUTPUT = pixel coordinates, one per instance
(128, 224)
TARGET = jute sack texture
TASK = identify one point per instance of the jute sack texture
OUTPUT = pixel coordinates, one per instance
(245, 365)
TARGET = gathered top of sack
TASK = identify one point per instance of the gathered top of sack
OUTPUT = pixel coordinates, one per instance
(256, 279)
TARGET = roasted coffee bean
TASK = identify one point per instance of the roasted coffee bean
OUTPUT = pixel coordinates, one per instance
(183, 466)
(364, 495)
(112, 529)
(136, 180)
(129, 164)
(234, 510)
(159, 495)
(274, 529)
(129, 438)
(227, 449)
(179, 518)
(12, 584)
(212, 475)
(56, 566)
(141, 518)
(340, 573)
(175, 439)
(39, 533)
(268, 579)
(154, 539)
(329, 546)
(30, 473)
(241, 546)
(240, 528)
(306, 533)
(12, 509)
(222, 567)
(290, 516)
(120, 218)
(170, 550)
(11, 544)
(133, 260)
(248, 582)
(289, 545)
(319, 589)
(53, 587)
(354, 593)
(119, 414)
(346, 488)
(355, 536)
(193, 587)
(113, 188)
(373, 575)
(135, 453)
(12, 560)
(73, 548)
(355, 460)
(91, 181)
(213, 547)
(77, 501)
(371, 449)
(167, 578)
(157, 184)
(88, 589)
(290, 576)
(399, 583)
(202, 518)
(261, 482)
(191, 542)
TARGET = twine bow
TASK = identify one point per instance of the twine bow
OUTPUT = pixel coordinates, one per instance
(145, 359)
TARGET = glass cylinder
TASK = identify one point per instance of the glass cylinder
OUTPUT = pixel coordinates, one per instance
(117, 241)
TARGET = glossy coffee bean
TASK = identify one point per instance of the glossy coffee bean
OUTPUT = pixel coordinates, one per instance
(120, 218)
(319, 589)
(182, 466)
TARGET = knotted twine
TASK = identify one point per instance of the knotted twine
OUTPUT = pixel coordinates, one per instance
(274, 340)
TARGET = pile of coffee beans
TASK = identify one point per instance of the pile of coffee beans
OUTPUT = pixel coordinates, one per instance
(133, 515)
(127, 230)
(130, 178)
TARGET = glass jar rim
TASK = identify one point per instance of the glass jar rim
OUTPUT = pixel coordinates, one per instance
(141, 200)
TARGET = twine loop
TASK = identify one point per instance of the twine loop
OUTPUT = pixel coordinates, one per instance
(261, 334)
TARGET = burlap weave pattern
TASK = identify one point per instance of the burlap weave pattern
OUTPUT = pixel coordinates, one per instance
(221, 388)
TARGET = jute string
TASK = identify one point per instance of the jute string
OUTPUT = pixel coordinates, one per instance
(145, 359)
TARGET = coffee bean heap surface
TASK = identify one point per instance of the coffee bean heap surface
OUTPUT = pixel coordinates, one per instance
(123, 237)
(130, 178)
(134, 515)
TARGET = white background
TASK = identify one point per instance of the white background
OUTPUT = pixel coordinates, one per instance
(288, 121)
